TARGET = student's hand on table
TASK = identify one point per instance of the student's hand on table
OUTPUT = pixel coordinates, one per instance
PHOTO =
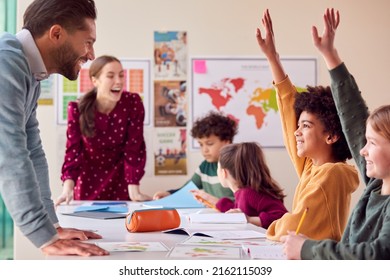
(160, 194)
(136, 195)
(73, 247)
(73, 233)
(204, 195)
(293, 245)
(67, 193)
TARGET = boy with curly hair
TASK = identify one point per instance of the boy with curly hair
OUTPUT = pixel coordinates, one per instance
(318, 149)
(212, 132)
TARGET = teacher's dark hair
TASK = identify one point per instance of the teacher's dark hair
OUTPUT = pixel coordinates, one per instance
(41, 15)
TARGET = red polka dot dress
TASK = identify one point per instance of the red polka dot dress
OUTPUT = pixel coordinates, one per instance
(102, 166)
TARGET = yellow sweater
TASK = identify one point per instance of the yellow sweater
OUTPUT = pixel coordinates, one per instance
(326, 189)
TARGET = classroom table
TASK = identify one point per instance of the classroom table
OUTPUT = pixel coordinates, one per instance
(114, 230)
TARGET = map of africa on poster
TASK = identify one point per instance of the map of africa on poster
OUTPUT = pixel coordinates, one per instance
(242, 89)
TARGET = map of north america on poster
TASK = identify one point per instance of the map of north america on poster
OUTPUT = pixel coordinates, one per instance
(243, 90)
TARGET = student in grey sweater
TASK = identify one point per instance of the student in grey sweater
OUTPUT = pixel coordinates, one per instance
(367, 235)
(57, 37)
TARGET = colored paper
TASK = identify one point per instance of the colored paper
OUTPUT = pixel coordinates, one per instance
(182, 198)
(200, 66)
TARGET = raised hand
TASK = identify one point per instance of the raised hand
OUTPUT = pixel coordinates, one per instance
(325, 42)
(267, 44)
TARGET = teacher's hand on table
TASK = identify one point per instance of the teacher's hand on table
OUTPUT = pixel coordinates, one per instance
(73, 247)
(73, 233)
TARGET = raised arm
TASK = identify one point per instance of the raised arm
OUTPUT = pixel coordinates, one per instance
(325, 43)
(267, 46)
(286, 91)
(351, 107)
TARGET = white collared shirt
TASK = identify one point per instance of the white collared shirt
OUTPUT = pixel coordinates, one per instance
(33, 55)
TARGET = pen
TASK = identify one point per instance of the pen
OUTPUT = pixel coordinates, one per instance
(301, 221)
(207, 203)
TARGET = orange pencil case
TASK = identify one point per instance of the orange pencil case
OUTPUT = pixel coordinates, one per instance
(145, 220)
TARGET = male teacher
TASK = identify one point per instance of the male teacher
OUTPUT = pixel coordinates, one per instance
(57, 37)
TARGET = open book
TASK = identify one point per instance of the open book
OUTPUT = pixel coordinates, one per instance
(219, 234)
(217, 218)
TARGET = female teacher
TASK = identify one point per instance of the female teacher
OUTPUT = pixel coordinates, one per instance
(105, 150)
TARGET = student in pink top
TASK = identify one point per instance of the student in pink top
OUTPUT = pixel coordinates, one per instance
(242, 168)
(105, 150)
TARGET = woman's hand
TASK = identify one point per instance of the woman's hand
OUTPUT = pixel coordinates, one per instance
(136, 195)
(67, 193)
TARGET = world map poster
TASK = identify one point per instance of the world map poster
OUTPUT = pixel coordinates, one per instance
(242, 89)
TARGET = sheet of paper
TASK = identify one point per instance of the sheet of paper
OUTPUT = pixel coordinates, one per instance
(233, 234)
(218, 218)
(210, 241)
(183, 198)
(133, 246)
(267, 252)
(204, 252)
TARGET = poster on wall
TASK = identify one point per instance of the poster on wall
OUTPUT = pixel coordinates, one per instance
(170, 55)
(137, 80)
(170, 106)
(170, 156)
(242, 89)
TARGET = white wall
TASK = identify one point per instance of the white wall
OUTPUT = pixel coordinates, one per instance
(227, 28)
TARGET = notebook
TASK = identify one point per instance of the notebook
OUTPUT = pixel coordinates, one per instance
(97, 215)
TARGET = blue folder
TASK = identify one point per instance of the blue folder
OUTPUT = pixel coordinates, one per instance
(101, 208)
